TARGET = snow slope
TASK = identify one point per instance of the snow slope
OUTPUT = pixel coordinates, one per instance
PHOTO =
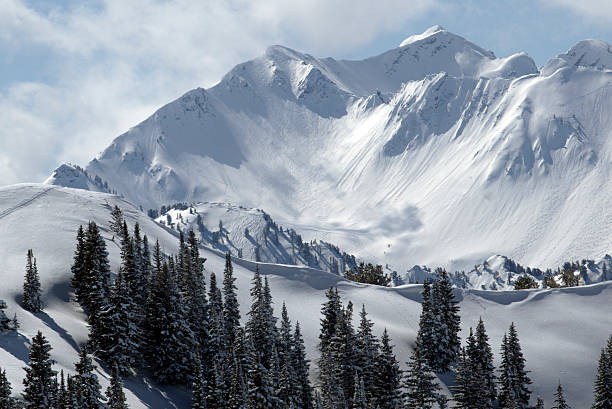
(571, 324)
(435, 152)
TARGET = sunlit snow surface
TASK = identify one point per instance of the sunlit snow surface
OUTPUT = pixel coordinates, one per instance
(435, 152)
(561, 331)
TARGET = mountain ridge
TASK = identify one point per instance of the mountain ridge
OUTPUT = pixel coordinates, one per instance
(436, 152)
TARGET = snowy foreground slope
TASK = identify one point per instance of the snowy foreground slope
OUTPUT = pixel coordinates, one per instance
(434, 152)
(561, 331)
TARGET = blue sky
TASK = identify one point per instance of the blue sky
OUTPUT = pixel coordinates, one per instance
(75, 74)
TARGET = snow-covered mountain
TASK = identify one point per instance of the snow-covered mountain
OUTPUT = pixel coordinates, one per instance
(571, 323)
(501, 273)
(434, 152)
(252, 234)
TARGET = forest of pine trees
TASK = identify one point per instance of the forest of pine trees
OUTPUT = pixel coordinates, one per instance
(166, 317)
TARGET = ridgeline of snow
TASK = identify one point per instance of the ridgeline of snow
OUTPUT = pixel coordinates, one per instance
(253, 235)
(435, 152)
(561, 331)
(69, 175)
(500, 273)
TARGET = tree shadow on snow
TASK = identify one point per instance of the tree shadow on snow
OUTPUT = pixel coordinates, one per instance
(15, 344)
(149, 394)
(50, 322)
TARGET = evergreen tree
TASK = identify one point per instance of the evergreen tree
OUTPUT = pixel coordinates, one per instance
(114, 393)
(39, 391)
(539, 403)
(426, 341)
(360, 401)
(465, 390)
(231, 308)
(387, 377)
(448, 312)
(481, 357)
(331, 312)
(421, 389)
(116, 222)
(87, 382)
(261, 348)
(63, 396)
(198, 388)
(238, 389)
(93, 288)
(169, 335)
(31, 285)
(560, 402)
(287, 381)
(118, 337)
(6, 402)
(603, 382)
(194, 292)
(366, 346)
(303, 389)
(513, 379)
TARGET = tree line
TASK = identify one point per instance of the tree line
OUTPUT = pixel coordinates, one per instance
(158, 317)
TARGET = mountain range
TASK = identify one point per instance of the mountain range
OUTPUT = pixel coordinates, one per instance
(435, 152)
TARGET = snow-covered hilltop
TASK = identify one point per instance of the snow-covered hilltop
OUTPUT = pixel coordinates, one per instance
(435, 152)
(252, 234)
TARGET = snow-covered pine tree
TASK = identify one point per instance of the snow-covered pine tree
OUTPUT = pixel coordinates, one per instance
(238, 389)
(95, 286)
(39, 391)
(6, 401)
(216, 330)
(216, 396)
(146, 262)
(560, 402)
(31, 285)
(387, 377)
(343, 359)
(169, 335)
(481, 357)
(448, 313)
(116, 221)
(301, 368)
(87, 382)
(603, 382)
(114, 393)
(426, 341)
(366, 350)
(539, 403)
(261, 347)
(140, 277)
(337, 361)
(420, 385)
(194, 292)
(231, 308)
(117, 336)
(78, 267)
(73, 393)
(360, 401)
(513, 379)
(465, 390)
(287, 381)
(198, 387)
(63, 396)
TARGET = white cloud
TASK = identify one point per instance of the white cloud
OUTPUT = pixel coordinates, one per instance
(108, 65)
(598, 10)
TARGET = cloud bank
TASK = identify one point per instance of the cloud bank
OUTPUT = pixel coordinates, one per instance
(93, 69)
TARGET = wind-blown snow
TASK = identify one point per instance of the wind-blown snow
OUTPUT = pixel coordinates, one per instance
(571, 324)
(435, 152)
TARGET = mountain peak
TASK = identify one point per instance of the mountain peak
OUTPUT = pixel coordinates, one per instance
(427, 33)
